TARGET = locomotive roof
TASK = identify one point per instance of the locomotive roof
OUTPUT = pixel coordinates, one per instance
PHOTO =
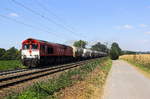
(47, 42)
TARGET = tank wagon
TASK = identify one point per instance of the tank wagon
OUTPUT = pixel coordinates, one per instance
(38, 53)
(77, 53)
(87, 53)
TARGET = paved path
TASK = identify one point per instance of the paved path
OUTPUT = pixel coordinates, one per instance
(125, 82)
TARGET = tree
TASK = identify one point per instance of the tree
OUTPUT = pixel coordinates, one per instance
(2, 52)
(80, 44)
(115, 51)
(100, 47)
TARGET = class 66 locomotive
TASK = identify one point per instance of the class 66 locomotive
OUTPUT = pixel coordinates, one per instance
(37, 53)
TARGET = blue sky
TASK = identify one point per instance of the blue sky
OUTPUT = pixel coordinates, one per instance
(123, 21)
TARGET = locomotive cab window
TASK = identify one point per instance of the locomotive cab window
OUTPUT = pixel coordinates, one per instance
(34, 46)
(43, 47)
(26, 46)
(50, 50)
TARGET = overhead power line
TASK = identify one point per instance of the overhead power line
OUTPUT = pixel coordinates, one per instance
(52, 13)
(44, 26)
(8, 9)
(28, 25)
(48, 10)
(44, 17)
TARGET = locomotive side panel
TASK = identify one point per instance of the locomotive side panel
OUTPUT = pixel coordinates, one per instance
(51, 53)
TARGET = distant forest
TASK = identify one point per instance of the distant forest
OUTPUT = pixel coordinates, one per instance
(135, 52)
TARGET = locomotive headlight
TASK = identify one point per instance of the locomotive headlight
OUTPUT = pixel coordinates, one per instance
(24, 56)
(36, 56)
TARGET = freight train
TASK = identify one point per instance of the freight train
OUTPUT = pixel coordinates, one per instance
(36, 53)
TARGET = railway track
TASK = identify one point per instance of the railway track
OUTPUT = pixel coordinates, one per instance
(12, 71)
(20, 77)
(6, 72)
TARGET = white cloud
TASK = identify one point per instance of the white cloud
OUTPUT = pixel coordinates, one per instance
(13, 14)
(148, 32)
(126, 26)
(143, 25)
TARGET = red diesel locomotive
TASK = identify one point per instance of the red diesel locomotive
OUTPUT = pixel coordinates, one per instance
(37, 52)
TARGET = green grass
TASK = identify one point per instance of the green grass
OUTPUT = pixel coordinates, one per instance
(108, 67)
(10, 64)
(101, 76)
(47, 89)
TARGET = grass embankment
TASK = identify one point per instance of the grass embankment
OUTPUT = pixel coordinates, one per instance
(142, 61)
(10, 64)
(67, 79)
(92, 85)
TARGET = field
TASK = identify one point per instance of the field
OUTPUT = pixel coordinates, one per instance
(140, 60)
(10, 64)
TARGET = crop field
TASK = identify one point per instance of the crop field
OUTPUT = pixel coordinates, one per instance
(10, 64)
(140, 60)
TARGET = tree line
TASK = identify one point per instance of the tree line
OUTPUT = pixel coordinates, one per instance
(10, 54)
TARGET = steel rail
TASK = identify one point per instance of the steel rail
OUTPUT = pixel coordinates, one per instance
(7, 72)
(12, 71)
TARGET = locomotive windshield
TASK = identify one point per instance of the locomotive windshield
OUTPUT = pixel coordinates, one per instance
(34, 46)
(29, 46)
(26, 46)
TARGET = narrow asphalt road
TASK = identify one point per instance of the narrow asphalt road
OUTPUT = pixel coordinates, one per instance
(125, 82)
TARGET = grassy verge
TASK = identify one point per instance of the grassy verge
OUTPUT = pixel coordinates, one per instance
(47, 89)
(96, 80)
(89, 88)
(10, 64)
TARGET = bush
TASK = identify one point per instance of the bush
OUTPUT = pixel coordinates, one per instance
(115, 51)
